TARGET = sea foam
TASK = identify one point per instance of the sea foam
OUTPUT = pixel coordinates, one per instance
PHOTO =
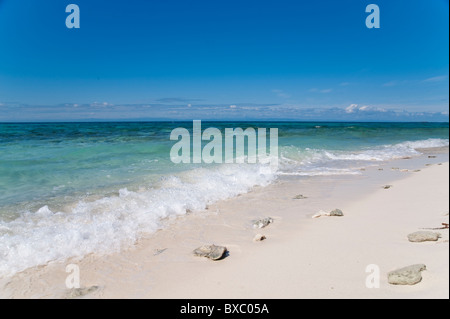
(320, 162)
(112, 222)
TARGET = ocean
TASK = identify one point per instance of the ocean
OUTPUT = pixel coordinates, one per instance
(71, 189)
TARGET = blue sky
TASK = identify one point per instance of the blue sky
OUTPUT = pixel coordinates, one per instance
(179, 59)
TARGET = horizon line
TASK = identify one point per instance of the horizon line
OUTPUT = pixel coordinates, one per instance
(208, 120)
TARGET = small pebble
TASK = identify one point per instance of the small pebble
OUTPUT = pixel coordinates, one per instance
(259, 237)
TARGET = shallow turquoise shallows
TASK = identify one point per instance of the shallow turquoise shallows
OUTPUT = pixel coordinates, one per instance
(69, 189)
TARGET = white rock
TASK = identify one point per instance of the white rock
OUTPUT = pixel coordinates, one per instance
(422, 236)
(410, 275)
(320, 214)
(212, 252)
(261, 223)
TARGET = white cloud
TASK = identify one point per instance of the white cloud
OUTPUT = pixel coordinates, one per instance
(282, 94)
(390, 83)
(436, 79)
(352, 108)
(233, 106)
(101, 104)
(404, 82)
(316, 90)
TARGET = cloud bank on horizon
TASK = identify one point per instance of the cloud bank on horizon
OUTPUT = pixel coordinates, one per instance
(158, 111)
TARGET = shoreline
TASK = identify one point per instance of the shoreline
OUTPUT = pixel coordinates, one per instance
(301, 257)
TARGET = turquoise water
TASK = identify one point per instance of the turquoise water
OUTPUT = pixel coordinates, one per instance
(69, 189)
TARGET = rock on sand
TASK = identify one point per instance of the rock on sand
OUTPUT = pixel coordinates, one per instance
(80, 292)
(410, 275)
(336, 213)
(422, 236)
(261, 223)
(259, 237)
(333, 213)
(212, 252)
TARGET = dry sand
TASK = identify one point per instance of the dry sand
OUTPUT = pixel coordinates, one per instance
(301, 257)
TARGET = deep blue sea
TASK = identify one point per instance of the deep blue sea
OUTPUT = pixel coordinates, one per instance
(70, 189)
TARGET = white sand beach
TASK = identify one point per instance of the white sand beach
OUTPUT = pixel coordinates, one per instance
(301, 257)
